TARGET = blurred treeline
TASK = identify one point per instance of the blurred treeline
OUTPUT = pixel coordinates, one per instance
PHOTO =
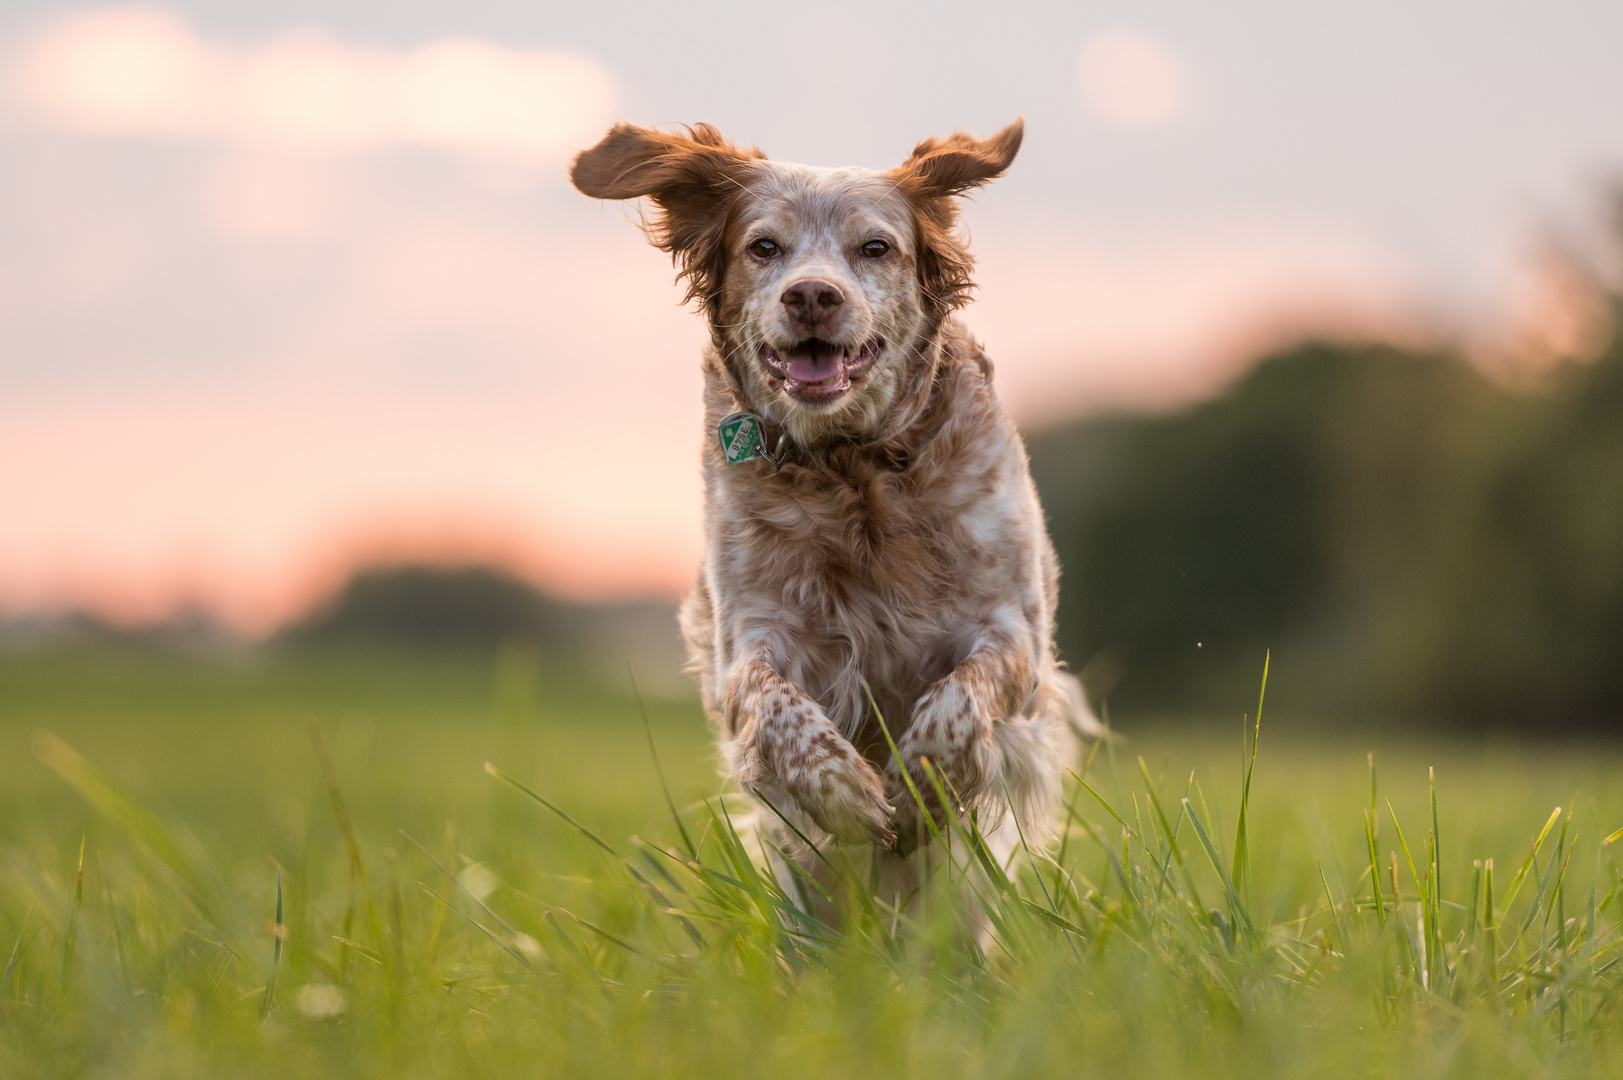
(479, 609)
(1413, 542)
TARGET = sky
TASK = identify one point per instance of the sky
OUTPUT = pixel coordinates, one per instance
(288, 286)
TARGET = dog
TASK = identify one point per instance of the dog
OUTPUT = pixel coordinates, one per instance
(877, 567)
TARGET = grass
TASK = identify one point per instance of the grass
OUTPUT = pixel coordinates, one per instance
(304, 867)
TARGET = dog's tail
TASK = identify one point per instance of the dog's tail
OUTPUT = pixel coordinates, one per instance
(1078, 716)
(1033, 754)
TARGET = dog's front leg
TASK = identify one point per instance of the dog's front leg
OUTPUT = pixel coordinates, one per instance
(952, 727)
(784, 740)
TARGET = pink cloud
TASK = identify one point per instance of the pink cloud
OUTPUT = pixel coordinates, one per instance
(144, 71)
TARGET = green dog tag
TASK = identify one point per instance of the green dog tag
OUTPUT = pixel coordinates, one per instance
(741, 439)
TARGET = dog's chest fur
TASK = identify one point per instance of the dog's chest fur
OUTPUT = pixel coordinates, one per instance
(878, 561)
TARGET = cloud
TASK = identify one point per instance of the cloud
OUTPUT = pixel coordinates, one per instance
(1130, 79)
(268, 197)
(145, 72)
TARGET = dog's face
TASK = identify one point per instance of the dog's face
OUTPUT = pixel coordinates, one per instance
(823, 286)
(821, 300)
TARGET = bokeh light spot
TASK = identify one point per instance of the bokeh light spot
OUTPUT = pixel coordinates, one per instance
(1129, 79)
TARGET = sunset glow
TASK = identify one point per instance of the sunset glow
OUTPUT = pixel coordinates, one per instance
(280, 299)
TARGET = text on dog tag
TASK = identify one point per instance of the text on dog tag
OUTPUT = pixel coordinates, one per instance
(741, 438)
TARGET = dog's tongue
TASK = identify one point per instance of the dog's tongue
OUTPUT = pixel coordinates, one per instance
(815, 362)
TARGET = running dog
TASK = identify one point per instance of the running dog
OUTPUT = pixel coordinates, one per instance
(870, 520)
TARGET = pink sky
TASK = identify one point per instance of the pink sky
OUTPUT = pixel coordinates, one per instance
(272, 306)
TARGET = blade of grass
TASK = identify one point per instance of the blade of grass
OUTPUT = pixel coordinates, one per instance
(1437, 838)
(516, 785)
(802, 837)
(1374, 866)
(1111, 810)
(358, 948)
(1333, 912)
(1064, 925)
(1544, 881)
(1242, 847)
(1065, 835)
(1037, 872)
(112, 915)
(1419, 885)
(1170, 833)
(901, 766)
(598, 840)
(121, 810)
(494, 937)
(278, 931)
(1521, 873)
(1021, 833)
(1490, 935)
(1592, 916)
(1237, 908)
(16, 951)
(615, 939)
(648, 729)
(1372, 832)
(1113, 859)
(976, 842)
(676, 913)
(456, 879)
(71, 936)
(1472, 909)
(767, 898)
(357, 865)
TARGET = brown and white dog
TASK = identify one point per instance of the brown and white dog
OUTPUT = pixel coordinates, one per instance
(882, 526)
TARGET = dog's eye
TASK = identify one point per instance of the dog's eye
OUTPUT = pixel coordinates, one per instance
(765, 249)
(875, 248)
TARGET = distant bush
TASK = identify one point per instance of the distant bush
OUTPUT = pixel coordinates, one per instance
(430, 606)
(477, 608)
(1410, 539)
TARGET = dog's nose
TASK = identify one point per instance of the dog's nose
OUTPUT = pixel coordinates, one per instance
(811, 300)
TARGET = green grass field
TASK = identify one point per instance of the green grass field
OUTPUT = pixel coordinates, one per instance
(227, 918)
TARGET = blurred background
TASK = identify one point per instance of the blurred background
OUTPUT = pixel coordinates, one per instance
(1310, 316)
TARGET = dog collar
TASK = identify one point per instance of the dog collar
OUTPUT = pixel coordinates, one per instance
(743, 438)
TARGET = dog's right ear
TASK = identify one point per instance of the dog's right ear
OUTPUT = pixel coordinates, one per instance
(633, 161)
(694, 179)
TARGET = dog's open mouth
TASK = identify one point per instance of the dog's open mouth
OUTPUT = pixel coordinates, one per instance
(817, 371)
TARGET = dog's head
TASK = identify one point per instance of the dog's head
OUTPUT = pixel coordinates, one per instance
(823, 287)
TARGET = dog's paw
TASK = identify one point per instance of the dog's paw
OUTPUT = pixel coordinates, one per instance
(954, 736)
(804, 755)
(842, 793)
(833, 785)
(789, 743)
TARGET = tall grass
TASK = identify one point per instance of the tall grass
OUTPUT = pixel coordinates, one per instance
(1148, 939)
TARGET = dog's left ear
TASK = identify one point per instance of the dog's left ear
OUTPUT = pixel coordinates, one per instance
(959, 163)
(937, 170)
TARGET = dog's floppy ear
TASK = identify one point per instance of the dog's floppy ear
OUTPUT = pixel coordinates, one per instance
(936, 171)
(960, 162)
(693, 177)
(632, 161)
